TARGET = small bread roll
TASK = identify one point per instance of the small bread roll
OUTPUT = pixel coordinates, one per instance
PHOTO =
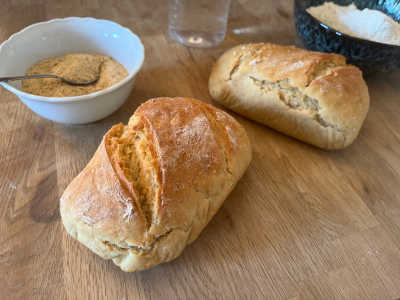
(314, 97)
(153, 185)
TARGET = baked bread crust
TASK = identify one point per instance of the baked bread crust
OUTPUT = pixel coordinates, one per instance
(314, 97)
(153, 185)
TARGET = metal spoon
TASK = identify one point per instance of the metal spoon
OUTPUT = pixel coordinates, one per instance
(69, 81)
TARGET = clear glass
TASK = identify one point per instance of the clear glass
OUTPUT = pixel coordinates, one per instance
(198, 23)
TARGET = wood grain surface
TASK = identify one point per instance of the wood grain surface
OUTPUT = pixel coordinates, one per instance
(301, 224)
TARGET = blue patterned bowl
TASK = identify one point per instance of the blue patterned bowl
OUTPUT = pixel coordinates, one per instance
(370, 57)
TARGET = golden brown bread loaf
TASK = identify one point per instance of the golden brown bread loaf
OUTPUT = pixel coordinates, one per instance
(153, 185)
(314, 97)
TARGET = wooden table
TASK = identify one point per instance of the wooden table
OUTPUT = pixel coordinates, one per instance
(301, 224)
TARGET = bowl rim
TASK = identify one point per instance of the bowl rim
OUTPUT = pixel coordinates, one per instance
(345, 35)
(81, 97)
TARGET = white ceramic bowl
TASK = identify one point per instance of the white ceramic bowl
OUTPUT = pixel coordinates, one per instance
(62, 36)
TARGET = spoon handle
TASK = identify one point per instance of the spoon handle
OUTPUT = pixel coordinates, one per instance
(5, 79)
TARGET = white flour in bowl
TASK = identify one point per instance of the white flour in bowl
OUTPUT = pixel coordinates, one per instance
(367, 24)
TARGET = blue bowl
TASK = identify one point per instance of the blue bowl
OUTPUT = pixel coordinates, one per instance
(370, 57)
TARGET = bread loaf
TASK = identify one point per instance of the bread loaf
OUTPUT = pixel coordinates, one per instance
(153, 185)
(314, 97)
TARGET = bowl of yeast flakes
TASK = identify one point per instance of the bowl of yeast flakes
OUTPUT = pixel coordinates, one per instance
(76, 49)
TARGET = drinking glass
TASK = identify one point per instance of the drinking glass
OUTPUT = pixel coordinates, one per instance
(198, 23)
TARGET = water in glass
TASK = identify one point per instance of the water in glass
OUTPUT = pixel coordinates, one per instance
(198, 23)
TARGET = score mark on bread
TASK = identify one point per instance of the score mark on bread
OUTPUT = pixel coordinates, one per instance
(154, 184)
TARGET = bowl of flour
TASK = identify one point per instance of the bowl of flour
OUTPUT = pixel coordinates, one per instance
(366, 32)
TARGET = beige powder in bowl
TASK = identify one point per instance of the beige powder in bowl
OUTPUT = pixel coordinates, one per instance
(78, 67)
